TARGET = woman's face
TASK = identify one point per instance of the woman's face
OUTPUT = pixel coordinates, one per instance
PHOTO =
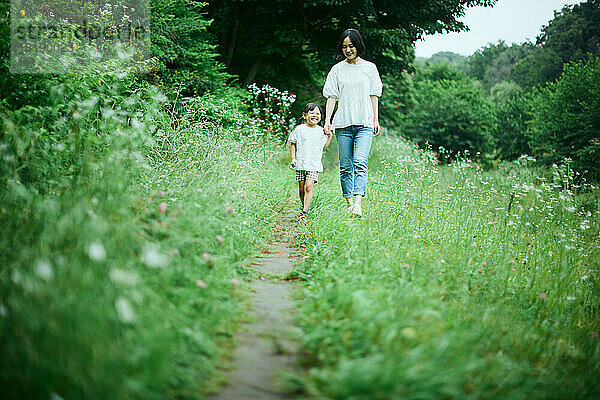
(349, 50)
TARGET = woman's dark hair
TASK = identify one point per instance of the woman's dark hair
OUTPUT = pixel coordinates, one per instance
(356, 39)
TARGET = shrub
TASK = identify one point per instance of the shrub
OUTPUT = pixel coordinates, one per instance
(271, 107)
(451, 114)
(566, 118)
(513, 111)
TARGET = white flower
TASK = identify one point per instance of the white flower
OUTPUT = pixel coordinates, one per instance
(123, 276)
(96, 252)
(153, 258)
(44, 270)
(125, 310)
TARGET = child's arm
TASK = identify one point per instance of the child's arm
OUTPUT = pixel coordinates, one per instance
(329, 136)
(293, 154)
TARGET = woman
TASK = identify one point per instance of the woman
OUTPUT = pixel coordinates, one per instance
(354, 84)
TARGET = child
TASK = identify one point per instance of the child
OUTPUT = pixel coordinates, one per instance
(308, 140)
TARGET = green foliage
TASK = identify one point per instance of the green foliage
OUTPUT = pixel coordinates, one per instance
(437, 292)
(513, 113)
(271, 109)
(574, 32)
(118, 249)
(493, 63)
(451, 115)
(259, 35)
(566, 119)
(184, 54)
(446, 57)
(397, 99)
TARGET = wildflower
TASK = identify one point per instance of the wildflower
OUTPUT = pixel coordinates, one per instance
(125, 310)
(511, 261)
(199, 190)
(480, 271)
(162, 208)
(149, 200)
(262, 278)
(513, 269)
(161, 193)
(99, 81)
(220, 239)
(96, 252)
(152, 257)
(123, 276)
(228, 209)
(200, 284)
(44, 270)
(234, 282)
(409, 332)
(74, 46)
(243, 195)
(22, 13)
(205, 256)
(483, 264)
(542, 296)
(174, 252)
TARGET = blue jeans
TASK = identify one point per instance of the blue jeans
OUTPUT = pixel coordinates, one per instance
(354, 145)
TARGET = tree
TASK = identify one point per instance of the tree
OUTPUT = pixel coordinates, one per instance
(262, 36)
(566, 118)
(493, 63)
(447, 57)
(573, 33)
(513, 112)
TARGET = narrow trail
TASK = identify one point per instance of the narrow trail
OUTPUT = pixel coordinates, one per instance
(265, 343)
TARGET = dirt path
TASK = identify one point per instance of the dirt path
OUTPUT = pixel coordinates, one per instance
(265, 347)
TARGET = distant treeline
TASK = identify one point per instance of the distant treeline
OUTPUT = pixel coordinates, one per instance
(540, 99)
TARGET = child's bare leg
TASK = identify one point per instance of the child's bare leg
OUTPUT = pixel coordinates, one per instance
(301, 192)
(308, 193)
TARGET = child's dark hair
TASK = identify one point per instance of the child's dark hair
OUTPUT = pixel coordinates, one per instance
(308, 108)
(356, 39)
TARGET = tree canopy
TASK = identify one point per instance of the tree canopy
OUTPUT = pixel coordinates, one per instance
(285, 35)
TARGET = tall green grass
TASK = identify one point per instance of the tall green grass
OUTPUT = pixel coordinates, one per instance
(441, 292)
(122, 272)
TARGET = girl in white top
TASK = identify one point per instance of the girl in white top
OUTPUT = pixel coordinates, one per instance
(307, 143)
(353, 83)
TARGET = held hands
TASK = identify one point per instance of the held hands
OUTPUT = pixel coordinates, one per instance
(327, 129)
(293, 163)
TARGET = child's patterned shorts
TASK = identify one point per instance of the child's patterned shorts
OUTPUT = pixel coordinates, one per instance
(304, 175)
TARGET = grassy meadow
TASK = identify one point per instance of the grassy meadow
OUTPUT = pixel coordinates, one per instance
(124, 258)
(442, 292)
(128, 282)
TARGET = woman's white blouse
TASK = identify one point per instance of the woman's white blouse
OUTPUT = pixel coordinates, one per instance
(352, 85)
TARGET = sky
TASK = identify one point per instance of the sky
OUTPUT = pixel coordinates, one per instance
(514, 21)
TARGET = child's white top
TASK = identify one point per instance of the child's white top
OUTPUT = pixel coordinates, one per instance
(352, 84)
(309, 147)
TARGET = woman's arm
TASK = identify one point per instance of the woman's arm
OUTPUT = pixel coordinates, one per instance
(375, 103)
(326, 145)
(329, 107)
